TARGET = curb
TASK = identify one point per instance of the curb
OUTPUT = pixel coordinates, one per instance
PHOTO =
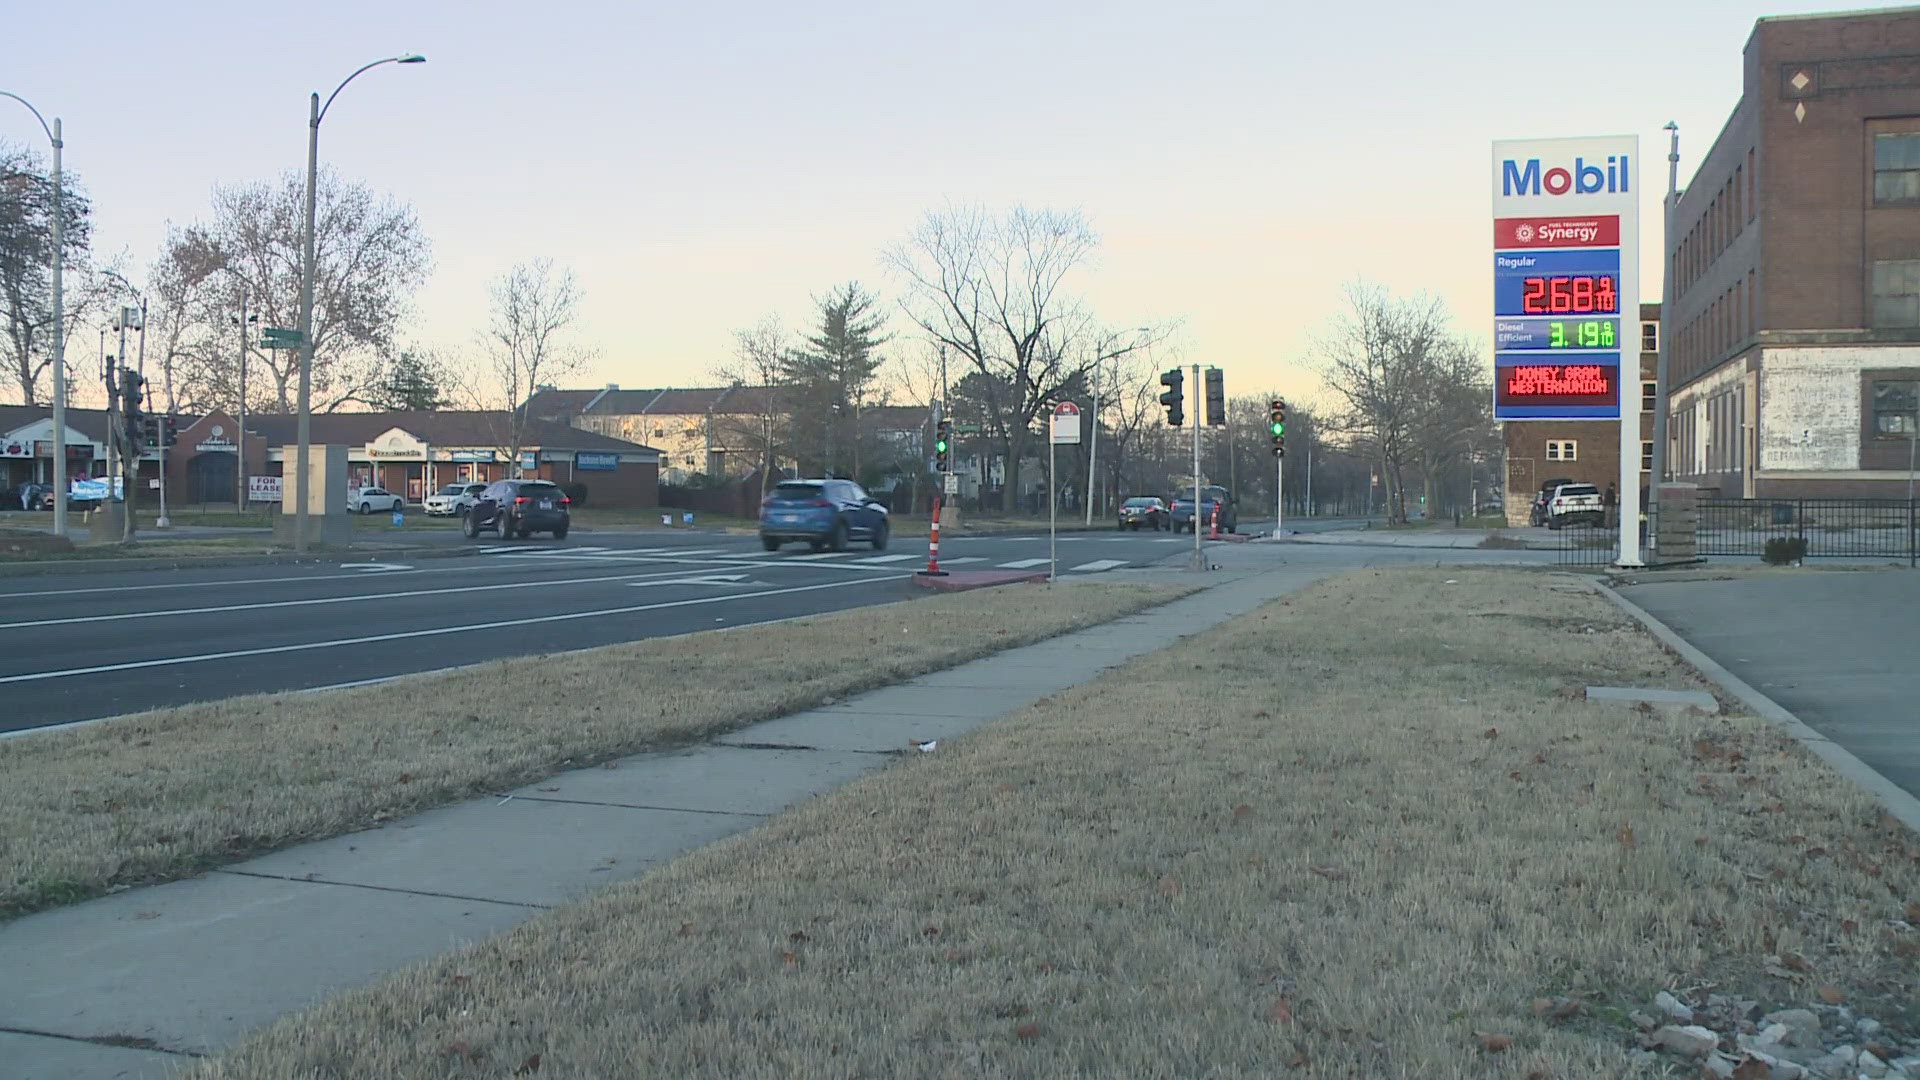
(963, 581)
(1903, 806)
(191, 562)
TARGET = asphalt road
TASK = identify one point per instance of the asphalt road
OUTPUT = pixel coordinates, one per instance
(86, 645)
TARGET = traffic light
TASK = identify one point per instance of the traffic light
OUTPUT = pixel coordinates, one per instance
(150, 432)
(1175, 398)
(169, 430)
(1277, 426)
(1216, 397)
(130, 415)
(943, 446)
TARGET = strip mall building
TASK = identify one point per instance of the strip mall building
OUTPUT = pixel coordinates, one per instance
(409, 453)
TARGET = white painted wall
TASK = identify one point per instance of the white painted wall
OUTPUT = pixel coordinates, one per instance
(1810, 403)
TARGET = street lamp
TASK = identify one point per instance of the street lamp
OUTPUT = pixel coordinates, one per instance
(316, 112)
(59, 324)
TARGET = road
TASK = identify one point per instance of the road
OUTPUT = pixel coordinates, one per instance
(86, 645)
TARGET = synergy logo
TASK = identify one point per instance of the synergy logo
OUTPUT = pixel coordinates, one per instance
(1536, 232)
(1517, 178)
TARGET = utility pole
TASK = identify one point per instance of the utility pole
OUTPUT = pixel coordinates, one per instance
(1093, 444)
(1199, 560)
(1658, 473)
(240, 437)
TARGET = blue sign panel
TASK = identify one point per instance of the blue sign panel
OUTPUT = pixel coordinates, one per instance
(596, 462)
(1542, 283)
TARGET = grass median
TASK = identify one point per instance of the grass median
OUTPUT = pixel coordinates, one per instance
(163, 794)
(1390, 829)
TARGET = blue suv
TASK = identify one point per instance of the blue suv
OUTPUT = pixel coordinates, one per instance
(824, 513)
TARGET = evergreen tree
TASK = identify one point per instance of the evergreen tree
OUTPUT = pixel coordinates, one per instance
(411, 384)
(831, 377)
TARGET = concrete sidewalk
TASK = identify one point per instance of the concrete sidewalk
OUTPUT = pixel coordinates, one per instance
(133, 985)
(1422, 538)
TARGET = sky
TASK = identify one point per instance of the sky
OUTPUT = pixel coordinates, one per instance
(702, 166)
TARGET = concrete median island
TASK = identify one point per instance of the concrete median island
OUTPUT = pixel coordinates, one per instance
(161, 795)
(1373, 828)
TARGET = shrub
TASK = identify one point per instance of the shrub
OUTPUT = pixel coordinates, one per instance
(576, 491)
(1784, 550)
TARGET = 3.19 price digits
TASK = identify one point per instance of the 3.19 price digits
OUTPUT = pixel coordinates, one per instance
(1576, 294)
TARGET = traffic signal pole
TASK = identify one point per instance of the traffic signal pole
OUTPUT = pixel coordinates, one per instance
(1199, 560)
(1279, 496)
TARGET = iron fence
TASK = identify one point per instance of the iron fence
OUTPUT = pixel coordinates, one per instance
(1587, 545)
(1830, 528)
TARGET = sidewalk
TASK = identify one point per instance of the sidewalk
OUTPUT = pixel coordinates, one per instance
(130, 984)
(1540, 539)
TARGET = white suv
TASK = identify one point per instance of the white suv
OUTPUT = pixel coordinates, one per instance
(453, 500)
(1573, 504)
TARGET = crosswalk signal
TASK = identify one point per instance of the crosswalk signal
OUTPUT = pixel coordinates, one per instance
(131, 417)
(1175, 398)
(1216, 398)
(1277, 426)
(943, 446)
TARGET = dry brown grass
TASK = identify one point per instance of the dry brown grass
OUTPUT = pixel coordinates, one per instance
(158, 795)
(1392, 829)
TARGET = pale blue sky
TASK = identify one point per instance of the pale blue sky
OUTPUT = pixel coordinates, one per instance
(701, 166)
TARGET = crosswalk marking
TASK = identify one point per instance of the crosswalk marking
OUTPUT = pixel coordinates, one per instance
(887, 558)
(962, 559)
(1100, 564)
(1022, 564)
(817, 555)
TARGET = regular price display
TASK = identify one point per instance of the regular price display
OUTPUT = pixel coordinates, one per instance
(1571, 294)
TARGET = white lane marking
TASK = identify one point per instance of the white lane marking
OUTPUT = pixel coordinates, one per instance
(354, 598)
(377, 567)
(370, 639)
(708, 579)
(1022, 564)
(817, 555)
(887, 558)
(962, 559)
(1098, 565)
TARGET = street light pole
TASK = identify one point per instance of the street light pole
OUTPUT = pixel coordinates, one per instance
(59, 322)
(1662, 364)
(316, 112)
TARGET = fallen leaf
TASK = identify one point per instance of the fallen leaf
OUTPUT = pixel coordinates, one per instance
(1281, 1011)
(792, 959)
(406, 778)
(686, 929)
(1752, 1068)
(1541, 1006)
(798, 937)
(1028, 1030)
(1913, 911)
(1242, 812)
(1795, 962)
(460, 980)
(1815, 852)
(1493, 1044)
(1329, 872)
(1490, 733)
(930, 931)
(1169, 886)
(1832, 995)
(1625, 836)
(1298, 1060)
(1848, 926)
(531, 1065)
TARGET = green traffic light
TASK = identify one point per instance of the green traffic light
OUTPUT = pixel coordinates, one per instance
(941, 446)
(1279, 428)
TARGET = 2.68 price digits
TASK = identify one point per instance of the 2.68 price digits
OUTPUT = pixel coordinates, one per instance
(1575, 294)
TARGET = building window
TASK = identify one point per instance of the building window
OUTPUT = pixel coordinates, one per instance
(1894, 401)
(1562, 450)
(1650, 336)
(1648, 391)
(1896, 168)
(1896, 292)
(1646, 455)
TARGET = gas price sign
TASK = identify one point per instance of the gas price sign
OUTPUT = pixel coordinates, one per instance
(1564, 235)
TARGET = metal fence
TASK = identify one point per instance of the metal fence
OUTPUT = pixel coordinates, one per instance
(1830, 528)
(1587, 545)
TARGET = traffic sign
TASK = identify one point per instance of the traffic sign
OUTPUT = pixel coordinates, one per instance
(276, 337)
(951, 482)
(1066, 424)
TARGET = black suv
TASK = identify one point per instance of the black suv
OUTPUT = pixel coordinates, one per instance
(518, 509)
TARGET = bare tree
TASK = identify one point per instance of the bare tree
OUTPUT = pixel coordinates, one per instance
(370, 255)
(1379, 357)
(527, 345)
(993, 290)
(765, 424)
(26, 265)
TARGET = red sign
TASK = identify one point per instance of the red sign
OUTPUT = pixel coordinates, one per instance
(1556, 384)
(1561, 232)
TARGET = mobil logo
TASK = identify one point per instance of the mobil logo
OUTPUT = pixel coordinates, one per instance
(1583, 177)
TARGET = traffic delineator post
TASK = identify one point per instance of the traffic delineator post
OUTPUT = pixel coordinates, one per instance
(1216, 522)
(933, 544)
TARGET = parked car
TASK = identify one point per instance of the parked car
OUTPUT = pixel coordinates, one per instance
(368, 500)
(1573, 504)
(824, 513)
(1182, 516)
(28, 496)
(1143, 510)
(454, 499)
(518, 509)
(1538, 515)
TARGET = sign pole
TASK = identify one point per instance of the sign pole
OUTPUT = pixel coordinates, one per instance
(1279, 497)
(1053, 515)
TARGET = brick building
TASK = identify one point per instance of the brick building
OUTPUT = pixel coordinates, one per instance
(1795, 262)
(1581, 451)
